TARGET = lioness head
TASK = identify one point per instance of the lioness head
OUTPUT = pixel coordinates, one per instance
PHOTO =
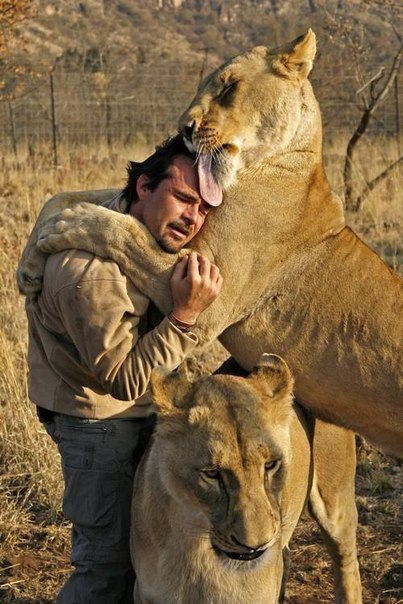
(223, 450)
(255, 105)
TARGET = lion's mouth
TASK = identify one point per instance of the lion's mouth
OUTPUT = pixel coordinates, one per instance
(209, 188)
(244, 557)
(216, 165)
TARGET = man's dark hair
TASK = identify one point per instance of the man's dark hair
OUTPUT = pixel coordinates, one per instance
(157, 167)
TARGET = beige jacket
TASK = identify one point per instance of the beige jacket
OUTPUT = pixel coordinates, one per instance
(90, 350)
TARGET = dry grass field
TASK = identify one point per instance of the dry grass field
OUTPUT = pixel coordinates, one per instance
(34, 539)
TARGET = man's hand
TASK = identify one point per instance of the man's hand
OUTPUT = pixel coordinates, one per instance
(195, 284)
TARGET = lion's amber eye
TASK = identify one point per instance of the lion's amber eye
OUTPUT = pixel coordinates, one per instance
(272, 465)
(211, 473)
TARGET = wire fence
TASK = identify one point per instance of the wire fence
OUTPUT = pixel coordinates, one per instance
(80, 108)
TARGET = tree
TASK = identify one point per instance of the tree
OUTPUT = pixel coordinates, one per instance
(361, 44)
(372, 97)
(12, 13)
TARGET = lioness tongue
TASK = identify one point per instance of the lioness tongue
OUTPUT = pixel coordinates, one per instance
(209, 189)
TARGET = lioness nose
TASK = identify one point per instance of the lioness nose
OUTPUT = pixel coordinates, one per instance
(188, 131)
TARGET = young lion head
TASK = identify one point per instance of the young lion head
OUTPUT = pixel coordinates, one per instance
(256, 105)
(223, 445)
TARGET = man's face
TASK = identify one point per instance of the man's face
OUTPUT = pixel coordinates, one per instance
(175, 211)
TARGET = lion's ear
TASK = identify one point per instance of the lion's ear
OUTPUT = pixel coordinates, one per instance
(273, 377)
(295, 60)
(168, 389)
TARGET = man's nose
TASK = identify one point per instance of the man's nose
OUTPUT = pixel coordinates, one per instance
(191, 212)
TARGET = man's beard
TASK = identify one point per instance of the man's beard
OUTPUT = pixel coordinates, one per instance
(169, 244)
(169, 247)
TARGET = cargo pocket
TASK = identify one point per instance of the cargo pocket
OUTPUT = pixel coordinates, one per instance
(91, 476)
(90, 498)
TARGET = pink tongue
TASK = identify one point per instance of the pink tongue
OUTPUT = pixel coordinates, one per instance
(209, 189)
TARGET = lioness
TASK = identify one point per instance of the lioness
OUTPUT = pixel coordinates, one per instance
(222, 486)
(297, 281)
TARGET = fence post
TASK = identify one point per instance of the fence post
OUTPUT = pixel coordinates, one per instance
(12, 127)
(397, 115)
(108, 120)
(54, 125)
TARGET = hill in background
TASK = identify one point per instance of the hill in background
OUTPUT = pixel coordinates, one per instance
(132, 32)
(125, 69)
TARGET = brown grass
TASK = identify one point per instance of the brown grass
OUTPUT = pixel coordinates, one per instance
(34, 540)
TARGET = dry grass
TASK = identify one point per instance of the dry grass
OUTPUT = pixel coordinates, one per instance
(34, 540)
(380, 220)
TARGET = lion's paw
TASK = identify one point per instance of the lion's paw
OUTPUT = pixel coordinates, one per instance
(30, 274)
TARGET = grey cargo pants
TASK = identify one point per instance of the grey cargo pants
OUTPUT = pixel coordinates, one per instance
(99, 458)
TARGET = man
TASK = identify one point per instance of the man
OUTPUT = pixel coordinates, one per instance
(91, 353)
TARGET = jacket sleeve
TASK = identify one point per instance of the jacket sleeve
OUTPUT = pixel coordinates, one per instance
(101, 320)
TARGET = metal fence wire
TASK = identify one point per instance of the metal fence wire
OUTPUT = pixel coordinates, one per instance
(81, 108)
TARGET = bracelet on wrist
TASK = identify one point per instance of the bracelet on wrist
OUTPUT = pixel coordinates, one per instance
(182, 325)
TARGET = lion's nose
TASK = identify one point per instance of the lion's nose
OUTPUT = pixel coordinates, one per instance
(188, 131)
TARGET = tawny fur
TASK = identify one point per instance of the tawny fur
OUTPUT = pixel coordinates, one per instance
(297, 281)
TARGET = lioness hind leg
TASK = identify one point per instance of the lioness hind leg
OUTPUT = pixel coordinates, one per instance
(332, 504)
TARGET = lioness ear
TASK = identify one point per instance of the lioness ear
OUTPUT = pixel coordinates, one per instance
(273, 376)
(168, 389)
(295, 60)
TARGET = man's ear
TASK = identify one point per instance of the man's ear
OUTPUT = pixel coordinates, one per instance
(169, 390)
(142, 186)
(295, 60)
(272, 376)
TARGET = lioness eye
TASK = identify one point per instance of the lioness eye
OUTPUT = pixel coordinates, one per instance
(272, 465)
(229, 86)
(225, 93)
(211, 473)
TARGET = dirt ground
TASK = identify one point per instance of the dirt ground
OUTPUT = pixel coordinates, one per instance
(380, 551)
